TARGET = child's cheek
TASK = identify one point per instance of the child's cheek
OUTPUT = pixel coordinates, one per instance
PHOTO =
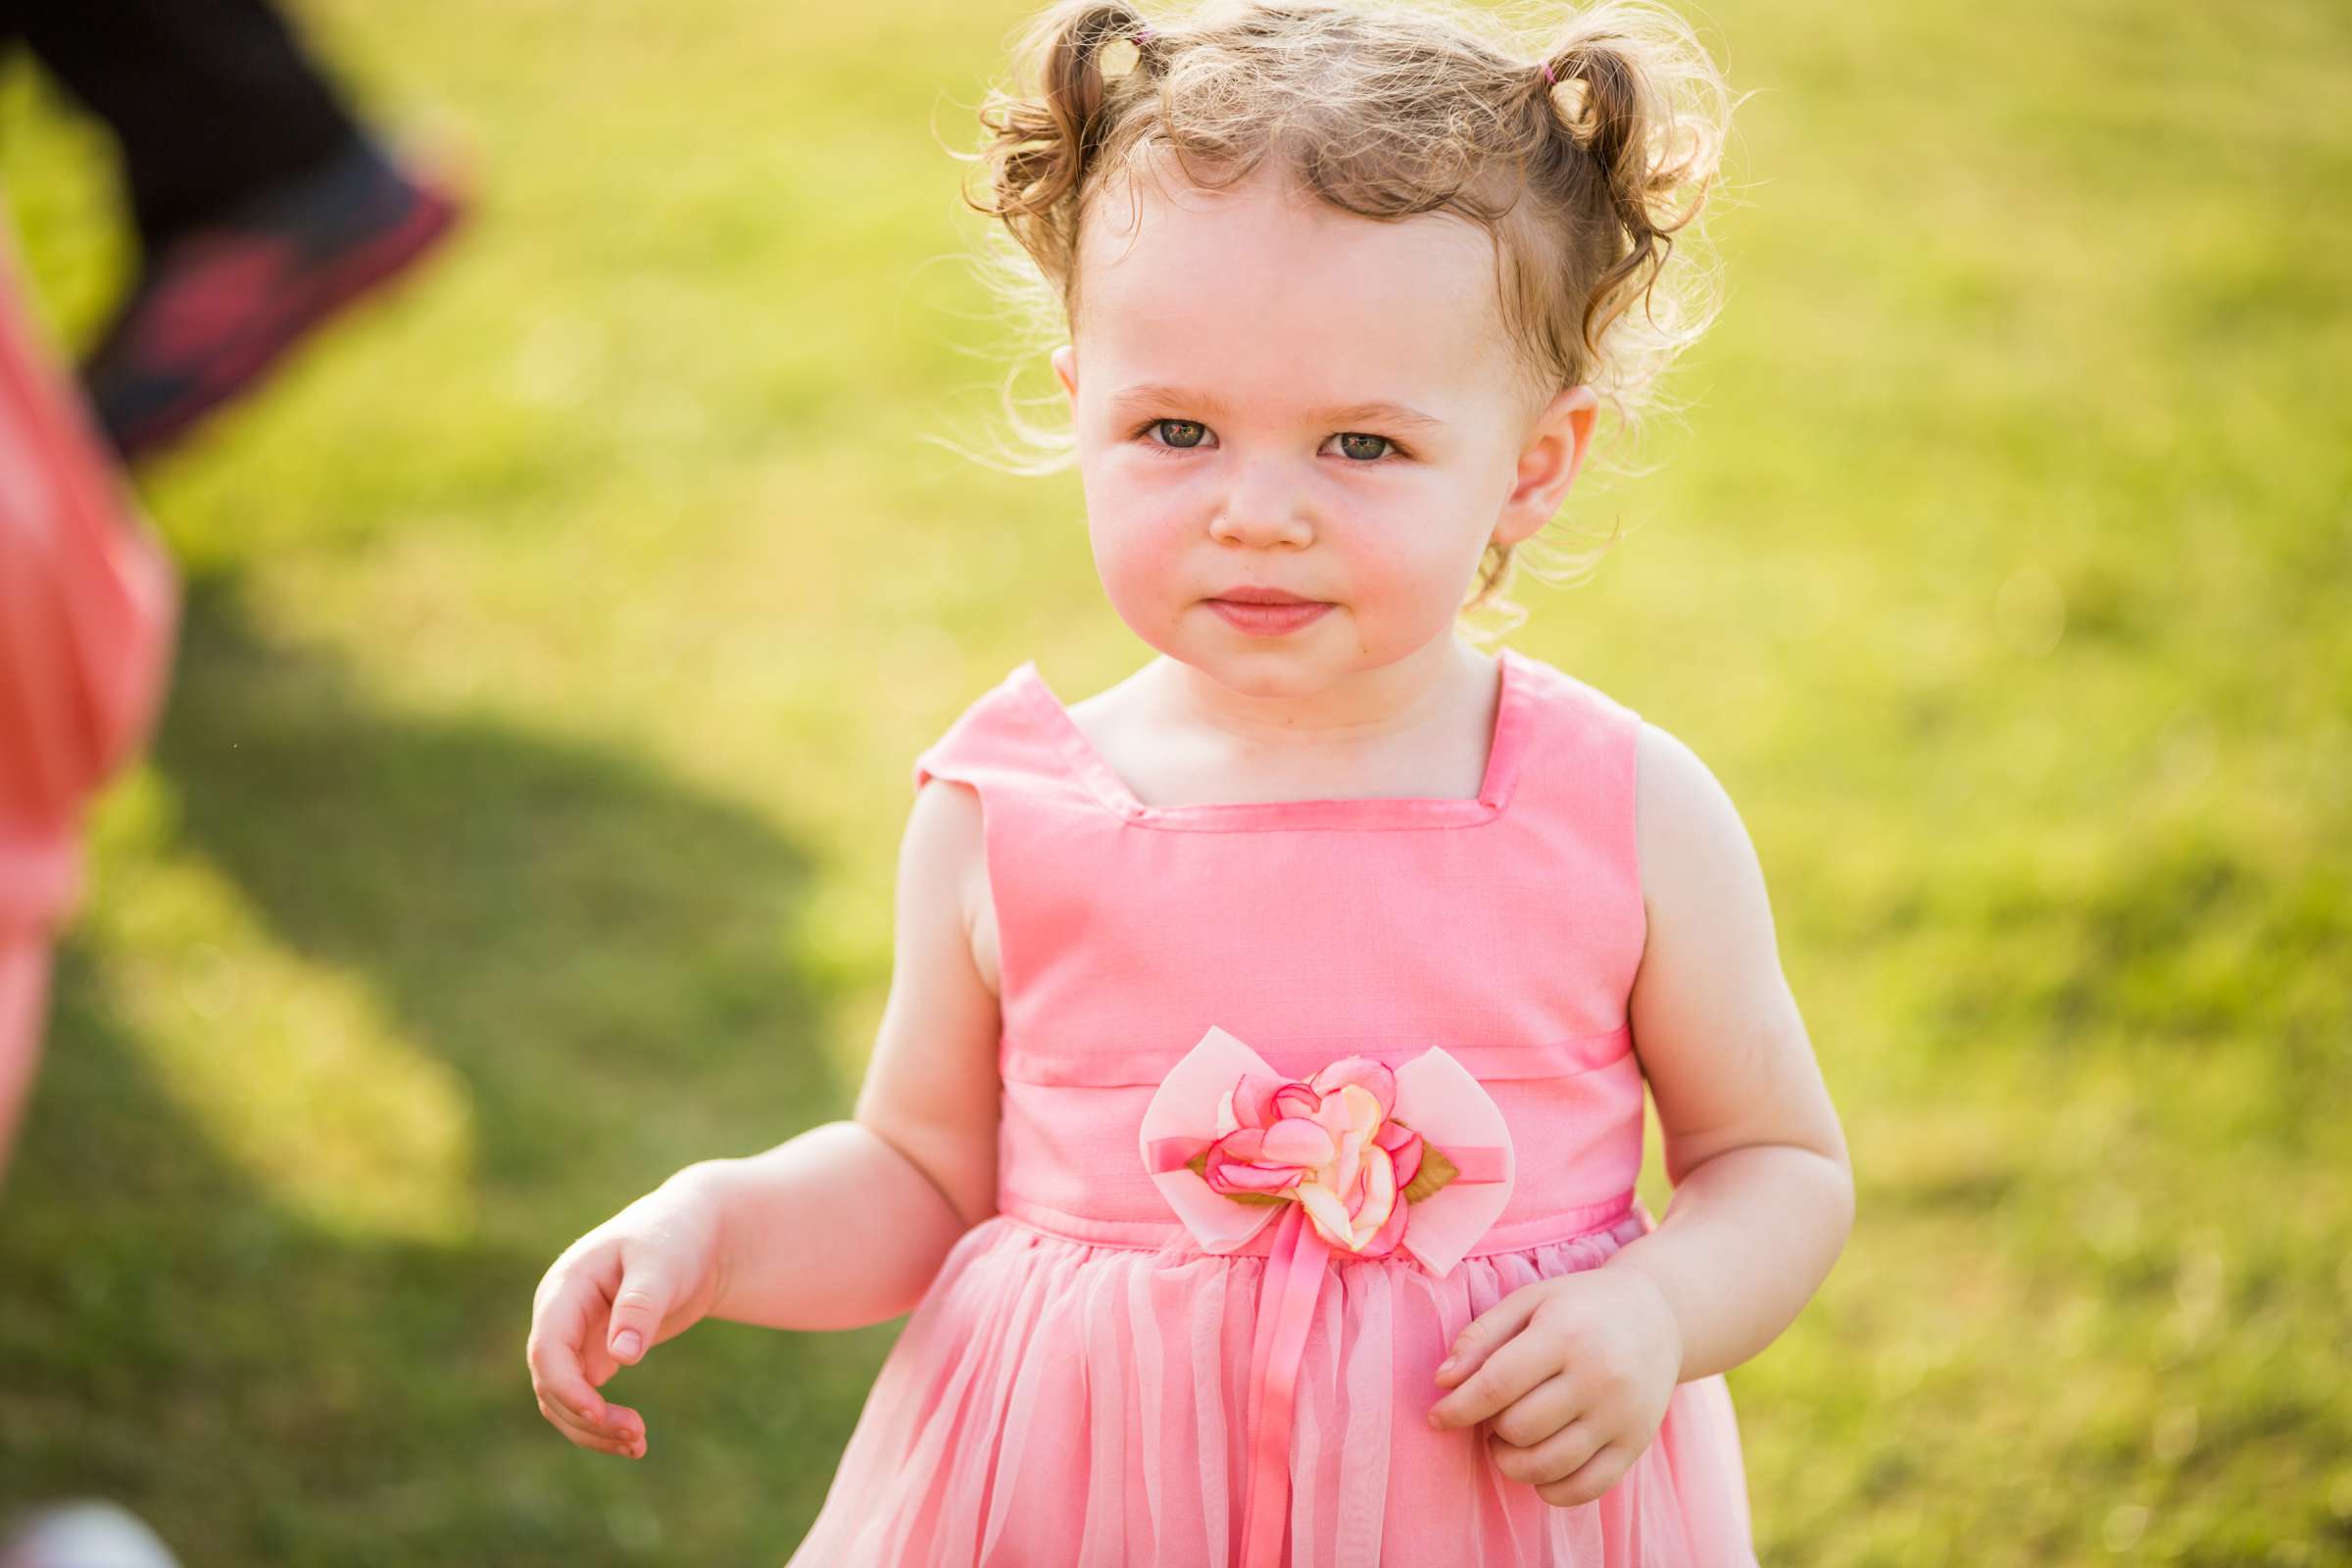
(1403, 584)
(1148, 559)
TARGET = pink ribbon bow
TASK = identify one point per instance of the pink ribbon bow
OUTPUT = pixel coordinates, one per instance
(1360, 1157)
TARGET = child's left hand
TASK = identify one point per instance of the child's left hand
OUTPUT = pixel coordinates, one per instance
(1576, 1371)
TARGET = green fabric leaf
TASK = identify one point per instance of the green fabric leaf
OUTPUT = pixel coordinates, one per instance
(1435, 1173)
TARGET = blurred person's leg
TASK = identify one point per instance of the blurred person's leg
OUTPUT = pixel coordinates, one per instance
(210, 100)
(263, 207)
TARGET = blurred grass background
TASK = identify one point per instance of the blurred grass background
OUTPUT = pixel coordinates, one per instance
(560, 633)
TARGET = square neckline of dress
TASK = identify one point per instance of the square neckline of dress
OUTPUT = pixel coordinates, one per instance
(1494, 797)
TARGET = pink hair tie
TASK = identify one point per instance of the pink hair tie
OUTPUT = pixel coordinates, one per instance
(1548, 78)
(1143, 34)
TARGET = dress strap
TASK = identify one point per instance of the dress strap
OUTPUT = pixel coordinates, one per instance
(1573, 814)
(1045, 838)
(1582, 757)
(994, 741)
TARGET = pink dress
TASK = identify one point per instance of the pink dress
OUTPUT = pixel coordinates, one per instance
(1087, 1382)
(89, 606)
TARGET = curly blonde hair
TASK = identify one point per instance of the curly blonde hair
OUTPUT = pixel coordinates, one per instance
(1571, 143)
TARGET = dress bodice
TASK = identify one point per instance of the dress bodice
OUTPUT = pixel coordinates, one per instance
(1506, 927)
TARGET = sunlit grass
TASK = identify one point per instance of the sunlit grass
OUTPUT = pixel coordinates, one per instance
(296, 1077)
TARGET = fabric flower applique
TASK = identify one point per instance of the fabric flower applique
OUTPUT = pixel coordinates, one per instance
(1333, 1146)
(1376, 1158)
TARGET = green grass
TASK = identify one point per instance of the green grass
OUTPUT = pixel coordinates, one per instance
(560, 633)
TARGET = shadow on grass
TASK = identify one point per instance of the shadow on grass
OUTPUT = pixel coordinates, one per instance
(604, 959)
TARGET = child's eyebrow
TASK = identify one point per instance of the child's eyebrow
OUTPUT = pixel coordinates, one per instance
(1135, 401)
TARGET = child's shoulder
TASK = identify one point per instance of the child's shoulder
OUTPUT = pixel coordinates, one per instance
(1691, 846)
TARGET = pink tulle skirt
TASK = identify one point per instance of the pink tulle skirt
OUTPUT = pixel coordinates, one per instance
(1059, 1401)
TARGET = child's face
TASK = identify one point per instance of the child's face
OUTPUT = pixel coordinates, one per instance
(1231, 353)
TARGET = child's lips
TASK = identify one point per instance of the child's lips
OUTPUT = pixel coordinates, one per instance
(1269, 620)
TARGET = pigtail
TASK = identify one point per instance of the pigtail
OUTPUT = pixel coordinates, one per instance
(1042, 144)
(1612, 124)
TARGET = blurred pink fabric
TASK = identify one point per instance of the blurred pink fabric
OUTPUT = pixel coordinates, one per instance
(1074, 1386)
(90, 607)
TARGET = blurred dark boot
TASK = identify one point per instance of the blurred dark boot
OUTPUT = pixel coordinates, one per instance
(216, 309)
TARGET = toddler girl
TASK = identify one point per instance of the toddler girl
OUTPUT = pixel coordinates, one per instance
(1254, 1125)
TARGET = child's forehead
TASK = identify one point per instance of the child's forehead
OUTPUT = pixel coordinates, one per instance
(1261, 274)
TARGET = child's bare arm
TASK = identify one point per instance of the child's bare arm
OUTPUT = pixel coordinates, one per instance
(848, 1224)
(1764, 1194)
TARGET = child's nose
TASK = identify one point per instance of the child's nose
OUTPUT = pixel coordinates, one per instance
(1265, 503)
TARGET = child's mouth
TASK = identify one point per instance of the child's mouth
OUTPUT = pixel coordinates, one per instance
(1268, 620)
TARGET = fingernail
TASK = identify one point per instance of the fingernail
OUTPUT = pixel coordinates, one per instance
(1435, 1420)
(626, 1344)
(1446, 1365)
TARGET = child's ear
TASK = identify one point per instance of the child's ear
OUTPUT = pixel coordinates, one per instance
(1065, 366)
(1549, 463)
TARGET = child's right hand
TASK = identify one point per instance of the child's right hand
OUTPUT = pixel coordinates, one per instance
(648, 1274)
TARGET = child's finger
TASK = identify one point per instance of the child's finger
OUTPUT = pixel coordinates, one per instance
(1488, 1330)
(622, 1425)
(551, 1352)
(626, 1443)
(1518, 1365)
(1541, 1412)
(597, 1363)
(1593, 1477)
(638, 1306)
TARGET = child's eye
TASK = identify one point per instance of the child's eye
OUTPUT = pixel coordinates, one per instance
(1365, 448)
(1181, 434)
